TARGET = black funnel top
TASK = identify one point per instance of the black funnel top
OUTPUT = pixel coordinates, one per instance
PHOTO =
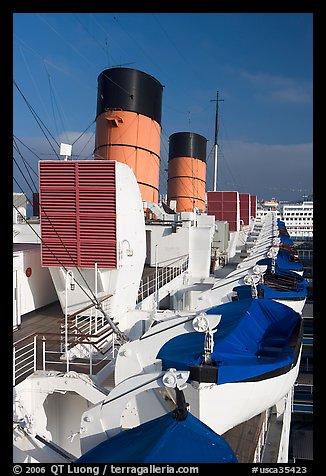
(129, 90)
(187, 144)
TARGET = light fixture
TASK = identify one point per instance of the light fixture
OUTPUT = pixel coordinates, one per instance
(257, 269)
(200, 323)
(169, 378)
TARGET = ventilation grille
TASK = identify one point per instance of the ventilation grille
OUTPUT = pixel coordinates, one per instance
(224, 206)
(78, 213)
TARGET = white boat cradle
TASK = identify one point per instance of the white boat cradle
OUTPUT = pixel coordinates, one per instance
(174, 437)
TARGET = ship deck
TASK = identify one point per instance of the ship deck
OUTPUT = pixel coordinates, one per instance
(242, 438)
(46, 319)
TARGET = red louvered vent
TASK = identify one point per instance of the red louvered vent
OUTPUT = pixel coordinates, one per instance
(244, 208)
(78, 213)
(224, 206)
(253, 205)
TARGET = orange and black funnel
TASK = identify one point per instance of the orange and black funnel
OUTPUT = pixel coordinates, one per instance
(128, 124)
(187, 171)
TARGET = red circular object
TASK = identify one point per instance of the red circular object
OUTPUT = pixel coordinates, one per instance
(28, 272)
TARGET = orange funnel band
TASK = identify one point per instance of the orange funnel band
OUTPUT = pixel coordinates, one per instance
(134, 140)
(187, 183)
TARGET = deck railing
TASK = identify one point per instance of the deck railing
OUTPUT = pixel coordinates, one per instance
(86, 321)
(24, 357)
(44, 352)
(87, 329)
(155, 281)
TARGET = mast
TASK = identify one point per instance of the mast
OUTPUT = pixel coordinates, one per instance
(216, 142)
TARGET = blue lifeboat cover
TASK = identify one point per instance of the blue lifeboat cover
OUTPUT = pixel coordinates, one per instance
(281, 223)
(299, 290)
(247, 327)
(163, 440)
(244, 292)
(283, 261)
(286, 240)
(292, 274)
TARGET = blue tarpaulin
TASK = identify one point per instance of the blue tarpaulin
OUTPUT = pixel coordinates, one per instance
(291, 274)
(244, 292)
(239, 343)
(286, 240)
(286, 285)
(281, 223)
(283, 261)
(163, 440)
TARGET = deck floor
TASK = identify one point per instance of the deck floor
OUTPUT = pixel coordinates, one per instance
(45, 319)
(48, 320)
(243, 438)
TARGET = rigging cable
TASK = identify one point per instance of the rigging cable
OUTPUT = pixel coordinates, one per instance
(25, 163)
(118, 45)
(29, 150)
(81, 135)
(89, 155)
(33, 80)
(78, 52)
(56, 258)
(22, 175)
(52, 106)
(36, 117)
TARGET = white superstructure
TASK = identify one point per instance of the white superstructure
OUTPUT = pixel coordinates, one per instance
(298, 219)
(32, 284)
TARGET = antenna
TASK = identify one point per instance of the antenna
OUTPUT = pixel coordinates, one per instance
(215, 141)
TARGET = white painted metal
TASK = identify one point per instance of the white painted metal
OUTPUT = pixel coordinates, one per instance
(224, 406)
(26, 232)
(50, 404)
(36, 290)
(16, 316)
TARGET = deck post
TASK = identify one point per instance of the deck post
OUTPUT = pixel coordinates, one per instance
(35, 355)
(43, 351)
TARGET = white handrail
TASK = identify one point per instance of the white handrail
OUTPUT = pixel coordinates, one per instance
(149, 285)
(25, 357)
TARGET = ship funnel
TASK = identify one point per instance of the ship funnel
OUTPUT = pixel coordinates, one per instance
(187, 171)
(128, 124)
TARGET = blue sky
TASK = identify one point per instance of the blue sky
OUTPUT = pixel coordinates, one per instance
(261, 64)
